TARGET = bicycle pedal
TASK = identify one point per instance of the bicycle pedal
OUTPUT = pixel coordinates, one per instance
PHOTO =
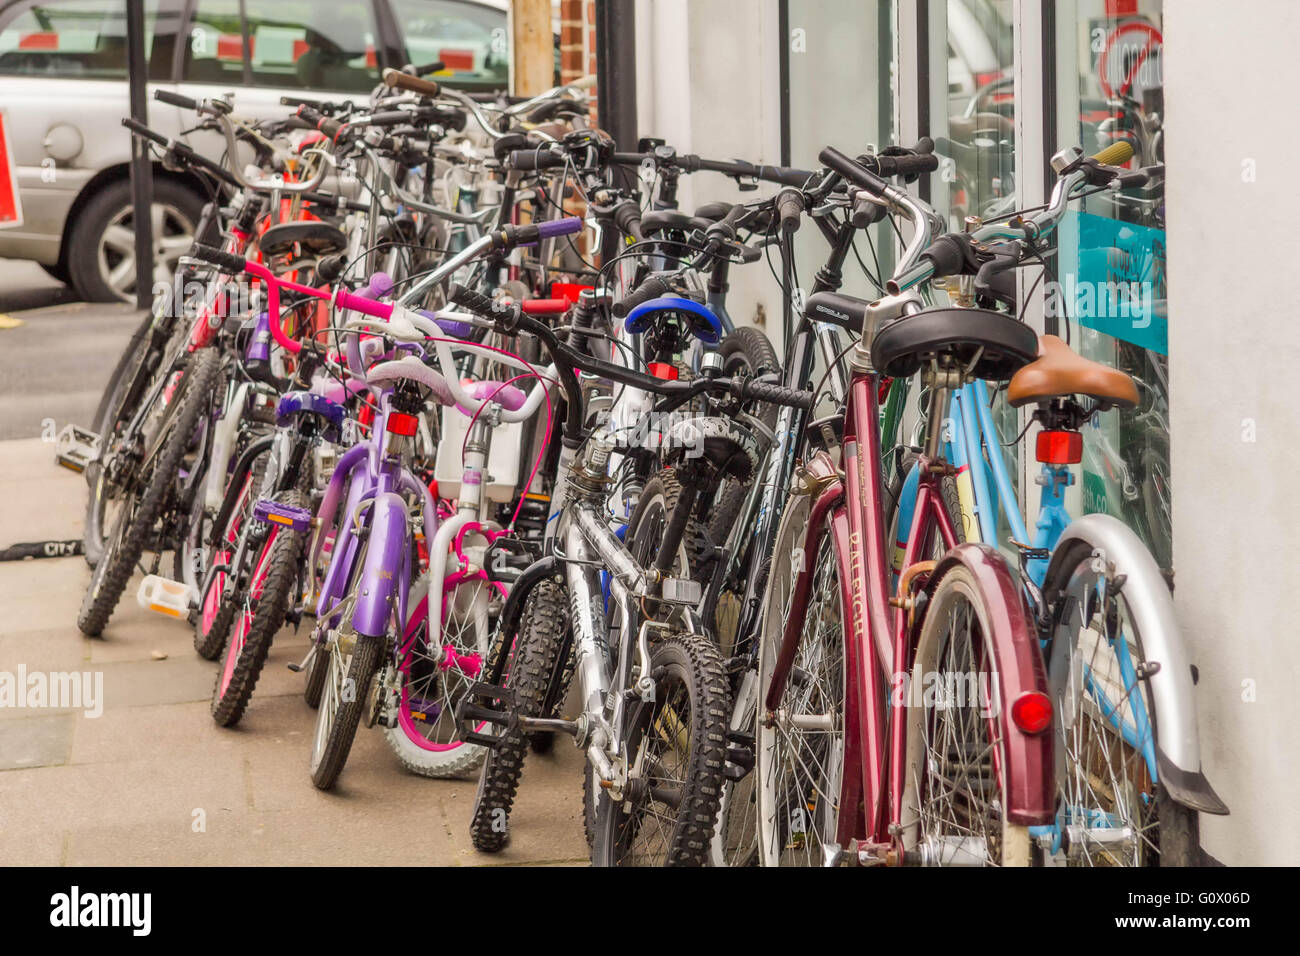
(680, 591)
(165, 596)
(1028, 552)
(76, 448)
(470, 713)
(273, 512)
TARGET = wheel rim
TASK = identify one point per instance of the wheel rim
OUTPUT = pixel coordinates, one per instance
(643, 829)
(331, 701)
(173, 233)
(433, 682)
(1107, 796)
(959, 794)
(800, 756)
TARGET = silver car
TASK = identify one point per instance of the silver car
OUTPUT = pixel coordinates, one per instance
(63, 93)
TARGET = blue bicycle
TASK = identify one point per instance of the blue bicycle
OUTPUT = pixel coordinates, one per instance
(1127, 754)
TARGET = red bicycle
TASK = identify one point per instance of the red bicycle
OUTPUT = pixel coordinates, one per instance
(910, 725)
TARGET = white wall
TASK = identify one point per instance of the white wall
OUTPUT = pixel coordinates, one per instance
(1231, 76)
(707, 82)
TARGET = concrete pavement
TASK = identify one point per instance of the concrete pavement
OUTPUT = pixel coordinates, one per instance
(152, 780)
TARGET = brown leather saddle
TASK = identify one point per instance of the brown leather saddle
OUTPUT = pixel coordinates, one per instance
(1059, 371)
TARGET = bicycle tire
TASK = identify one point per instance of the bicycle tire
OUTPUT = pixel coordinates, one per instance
(949, 660)
(237, 678)
(115, 568)
(330, 755)
(532, 663)
(693, 662)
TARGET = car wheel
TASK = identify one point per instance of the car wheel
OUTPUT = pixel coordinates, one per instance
(58, 271)
(101, 254)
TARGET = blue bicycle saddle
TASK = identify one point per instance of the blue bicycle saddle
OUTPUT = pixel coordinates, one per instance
(698, 318)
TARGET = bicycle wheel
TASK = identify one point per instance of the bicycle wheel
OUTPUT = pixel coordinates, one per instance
(1111, 812)
(433, 681)
(534, 659)
(271, 590)
(956, 786)
(799, 758)
(133, 527)
(110, 414)
(215, 614)
(353, 660)
(676, 747)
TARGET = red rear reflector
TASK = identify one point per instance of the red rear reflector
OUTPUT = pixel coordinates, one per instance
(1032, 712)
(400, 423)
(663, 370)
(1060, 447)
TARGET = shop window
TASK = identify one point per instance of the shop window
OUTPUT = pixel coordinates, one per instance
(1112, 295)
(972, 107)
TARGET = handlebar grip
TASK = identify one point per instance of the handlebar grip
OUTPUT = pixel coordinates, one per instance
(330, 127)
(226, 261)
(469, 299)
(359, 303)
(527, 160)
(437, 66)
(176, 99)
(853, 172)
(789, 208)
(453, 327)
(627, 217)
(566, 226)
(913, 165)
(651, 288)
(139, 129)
(396, 79)
(777, 394)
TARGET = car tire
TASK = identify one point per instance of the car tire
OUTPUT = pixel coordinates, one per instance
(58, 271)
(111, 207)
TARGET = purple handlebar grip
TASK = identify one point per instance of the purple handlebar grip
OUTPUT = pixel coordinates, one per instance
(559, 227)
(453, 327)
(380, 284)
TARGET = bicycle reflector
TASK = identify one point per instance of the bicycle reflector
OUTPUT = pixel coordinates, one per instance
(1060, 447)
(400, 423)
(663, 370)
(1032, 712)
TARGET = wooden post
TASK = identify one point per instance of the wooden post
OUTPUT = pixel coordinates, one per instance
(534, 47)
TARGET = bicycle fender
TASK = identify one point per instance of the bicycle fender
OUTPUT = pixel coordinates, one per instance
(1178, 749)
(385, 558)
(1030, 770)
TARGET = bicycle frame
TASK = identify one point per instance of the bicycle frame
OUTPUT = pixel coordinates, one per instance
(880, 633)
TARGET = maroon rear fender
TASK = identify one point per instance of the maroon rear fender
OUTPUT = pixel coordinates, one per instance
(1030, 771)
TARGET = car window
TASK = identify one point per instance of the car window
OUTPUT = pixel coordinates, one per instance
(295, 44)
(84, 39)
(470, 38)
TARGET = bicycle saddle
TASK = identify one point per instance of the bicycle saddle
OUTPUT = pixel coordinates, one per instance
(667, 220)
(1059, 371)
(843, 310)
(411, 369)
(704, 325)
(728, 446)
(997, 344)
(315, 237)
(306, 402)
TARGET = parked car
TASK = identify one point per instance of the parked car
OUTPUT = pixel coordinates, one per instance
(63, 94)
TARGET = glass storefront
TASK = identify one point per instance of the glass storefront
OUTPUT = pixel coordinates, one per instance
(1111, 298)
(1095, 66)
